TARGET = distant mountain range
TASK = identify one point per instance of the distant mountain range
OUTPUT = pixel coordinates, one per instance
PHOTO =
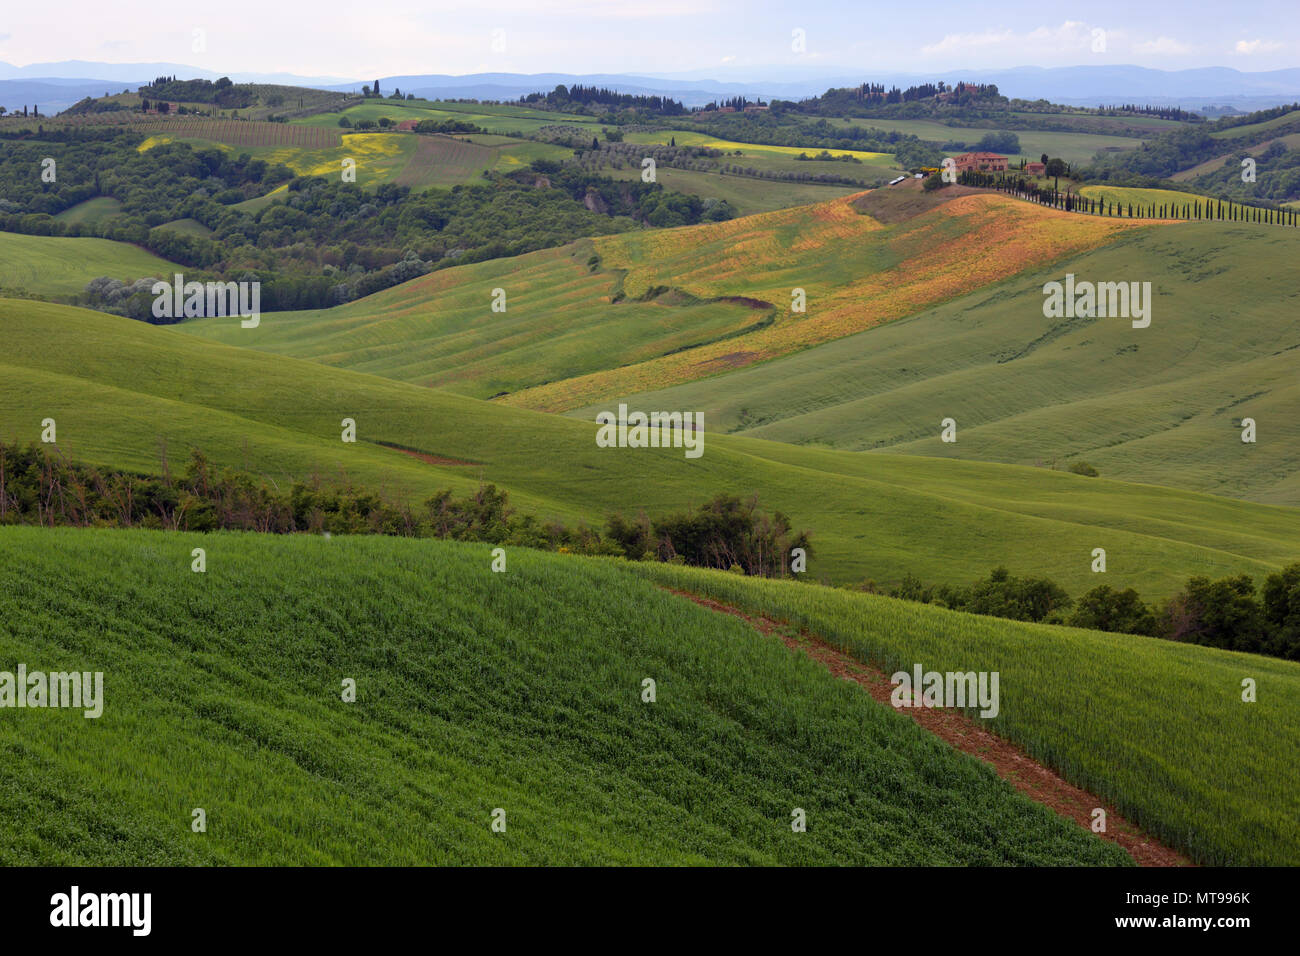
(55, 86)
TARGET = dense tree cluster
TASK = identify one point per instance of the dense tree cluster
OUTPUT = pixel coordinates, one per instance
(727, 532)
(222, 93)
(1225, 613)
(869, 99)
(579, 98)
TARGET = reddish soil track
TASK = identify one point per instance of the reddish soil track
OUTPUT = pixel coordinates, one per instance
(432, 459)
(965, 734)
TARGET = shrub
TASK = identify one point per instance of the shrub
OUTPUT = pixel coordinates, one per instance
(1105, 609)
(1221, 613)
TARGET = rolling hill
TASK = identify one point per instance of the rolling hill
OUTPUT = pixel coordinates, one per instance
(1161, 404)
(479, 692)
(727, 287)
(127, 394)
(58, 265)
(474, 691)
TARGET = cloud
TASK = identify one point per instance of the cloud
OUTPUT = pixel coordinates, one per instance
(1163, 46)
(1072, 38)
(1072, 35)
(1249, 47)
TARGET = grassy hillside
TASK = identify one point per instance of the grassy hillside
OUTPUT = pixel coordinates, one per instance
(1072, 147)
(559, 322)
(494, 118)
(57, 265)
(753, 150)
(124, 393)
(1157, 727)
(474, 691)
(1154, 197)
(747, 195)
(97, 210)
(856, 272)
(407, 159)
(1161, 404)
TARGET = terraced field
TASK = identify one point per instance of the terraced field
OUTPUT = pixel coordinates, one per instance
(444, 161)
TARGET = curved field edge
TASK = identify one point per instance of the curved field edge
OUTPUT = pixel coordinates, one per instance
(476, 691)
(125, 394)
(1159, 729)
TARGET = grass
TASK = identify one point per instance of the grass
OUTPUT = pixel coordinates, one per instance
(124, 393)
(406, 159)
(475, 691)
(856, 273)
(1159, 405)
(59, 265)
(187, 227)
(1253, 129)
(729, 305)
(1157, 727)
(560, 322)
(693, 138)
(746, 195)
(495, 119)
(1156, 197)
(1071, 147)
(379, 157)
(96, 210)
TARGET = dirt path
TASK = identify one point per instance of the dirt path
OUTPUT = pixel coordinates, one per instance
(965, 734)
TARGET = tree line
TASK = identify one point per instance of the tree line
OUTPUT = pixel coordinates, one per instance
(1229, 613)
(40, 486)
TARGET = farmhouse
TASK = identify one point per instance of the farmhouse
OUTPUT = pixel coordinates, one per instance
(1035, 169)
(981, 162)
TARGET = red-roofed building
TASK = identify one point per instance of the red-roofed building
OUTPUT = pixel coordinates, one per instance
(981, 162)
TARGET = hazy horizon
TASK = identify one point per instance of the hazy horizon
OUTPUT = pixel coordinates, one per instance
(720, 39)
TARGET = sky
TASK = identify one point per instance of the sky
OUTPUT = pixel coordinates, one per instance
(702, 38)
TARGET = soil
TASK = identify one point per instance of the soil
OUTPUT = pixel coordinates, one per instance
(1039, 783)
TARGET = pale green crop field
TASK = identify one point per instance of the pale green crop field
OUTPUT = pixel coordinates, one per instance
(476, 692)
(1158, 727)
(124, 393)
(60, 265)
